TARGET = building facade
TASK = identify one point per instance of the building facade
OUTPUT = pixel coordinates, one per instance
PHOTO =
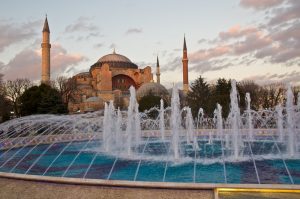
(108, 79)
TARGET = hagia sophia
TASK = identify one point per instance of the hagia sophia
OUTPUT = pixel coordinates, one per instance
(110, 78)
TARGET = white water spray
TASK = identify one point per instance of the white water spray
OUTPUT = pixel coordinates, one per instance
(235, 120)
(280, 132)
(175, 122)
(162, 119)
(290, 122)
(249, 118)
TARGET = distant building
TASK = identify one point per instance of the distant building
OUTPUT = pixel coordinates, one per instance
(109, 79)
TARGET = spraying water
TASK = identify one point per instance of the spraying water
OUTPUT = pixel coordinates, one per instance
(200, 118)
(278, 110)
(175, 122)
(249, 119)
(219, 121)
(290, 122)
(235, 120)
(162, 119)
(137, 125)
(130, 120)
(189, 126)
(119, 137)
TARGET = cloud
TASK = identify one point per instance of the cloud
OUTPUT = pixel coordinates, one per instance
(235, 41)
(285, 14)
(285, 47)
(200, 41)
(260, 4)
(112, 46)
(27, 63)
(251, 43)
(134, 31)
(237, 31)
(215, 65)
(98, 45)
(207, 54)
(12, 33)
(289, 77)
(172, 65)
(82, 24)
(61, 59)
(143, 64)
(84, 28)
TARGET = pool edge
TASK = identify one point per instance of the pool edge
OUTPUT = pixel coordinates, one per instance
(143, 184)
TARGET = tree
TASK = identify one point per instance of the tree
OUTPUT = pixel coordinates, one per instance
(41, 100)
(221, 95)
(296, 92)
(149, 101)
(67, 88)
(200, 97)
(271, 95)
(253, 89)
(5, 105)
(14, 89)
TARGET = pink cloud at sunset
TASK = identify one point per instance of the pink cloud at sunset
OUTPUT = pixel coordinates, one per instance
(27, 63)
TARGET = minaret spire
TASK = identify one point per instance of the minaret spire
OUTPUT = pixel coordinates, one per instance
(46, 26)
(157, 70)
(46, 53)
(184, 43)
(185, 68)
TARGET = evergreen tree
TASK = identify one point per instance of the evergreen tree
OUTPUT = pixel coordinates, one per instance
(221, 95)
(200, 97)
(41, 100)
(149, 101)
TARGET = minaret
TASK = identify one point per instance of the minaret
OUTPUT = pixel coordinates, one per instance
(185, 68)
(46, 53)
(157, 71)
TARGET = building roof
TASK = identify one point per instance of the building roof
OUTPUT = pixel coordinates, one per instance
(153, 88)
(116, 61)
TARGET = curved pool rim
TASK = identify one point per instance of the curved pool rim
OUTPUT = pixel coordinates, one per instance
(144, 184)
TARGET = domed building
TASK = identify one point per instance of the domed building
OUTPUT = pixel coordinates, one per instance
(152, 88)
(108, 79)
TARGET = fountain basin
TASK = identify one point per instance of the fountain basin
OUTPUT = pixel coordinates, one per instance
(86, 160)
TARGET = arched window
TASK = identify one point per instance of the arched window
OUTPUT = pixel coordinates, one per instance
(122, 82)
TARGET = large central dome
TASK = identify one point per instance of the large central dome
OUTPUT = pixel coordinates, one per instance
(116, 61)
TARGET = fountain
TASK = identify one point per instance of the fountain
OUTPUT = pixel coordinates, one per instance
(292, 145)
(234, 117)
(175, 122)
(173, 147)
(162, 120)
(249, 119)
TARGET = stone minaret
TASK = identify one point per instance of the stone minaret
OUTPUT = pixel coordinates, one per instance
(157, 71)
(185, 68)
(46, 53)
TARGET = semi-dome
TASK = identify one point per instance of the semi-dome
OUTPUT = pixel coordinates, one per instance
(115, 60)
(152, 88)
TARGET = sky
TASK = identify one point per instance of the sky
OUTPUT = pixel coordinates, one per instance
(255, 40)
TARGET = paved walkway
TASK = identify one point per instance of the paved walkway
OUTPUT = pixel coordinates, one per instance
(11, 189)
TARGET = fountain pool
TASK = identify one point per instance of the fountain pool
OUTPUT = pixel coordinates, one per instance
(255, 147)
